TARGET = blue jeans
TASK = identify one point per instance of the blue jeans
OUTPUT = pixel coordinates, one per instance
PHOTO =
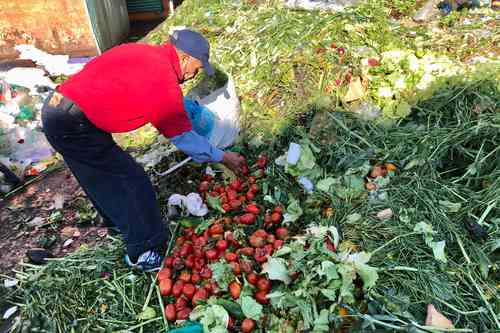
(116, 185)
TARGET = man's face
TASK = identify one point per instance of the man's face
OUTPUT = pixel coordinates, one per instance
(190, 67)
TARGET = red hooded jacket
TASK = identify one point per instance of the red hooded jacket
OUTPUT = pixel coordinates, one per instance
(129, 86)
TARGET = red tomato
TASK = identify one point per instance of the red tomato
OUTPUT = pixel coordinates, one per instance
(200, 295)
(235, 289)
(250, 196)
(248, 251)
(183, 314)
(275, 217)
(221, 245)
(181, 303)
(247, 218)
(264, 284)
(232, 194)
(253, 209)
(216, 229)
(254, 188)
(246, 266)
(282, 233)
(206, 273)
(231, 256)
(166, 287)
(195, 278)
(164, 273)
(277, 244)
(177, 288)
(211, 254)
(270, 239)
(185, 277)
(169, 262)
(170, 312)
(261, 297)
(188, 290)
(252, 278)
(189, 261)
(236, 268)
(247, 325)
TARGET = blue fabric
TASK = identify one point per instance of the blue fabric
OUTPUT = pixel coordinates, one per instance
(202, 119)
(117, 186)
(198, 147)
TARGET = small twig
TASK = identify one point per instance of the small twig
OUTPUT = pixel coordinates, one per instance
(486, 212)
(140, 325)
(465, 313)
(394, 239)
(162, 307)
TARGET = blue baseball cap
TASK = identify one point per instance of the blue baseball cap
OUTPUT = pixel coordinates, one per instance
(194, 44)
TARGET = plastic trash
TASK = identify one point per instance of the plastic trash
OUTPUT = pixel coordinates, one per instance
(31, 78)
(202, 119)
(293, 154)
(193, 203)
(306, 183)
(23, 144)
(332, 5)
(54, 64)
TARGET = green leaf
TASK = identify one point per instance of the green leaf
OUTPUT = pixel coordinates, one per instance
(293, 211)
(284, 250)
(330, 294)
(321, 324)
(214, 203)
(204, 225)
(148, 313)
(329, 270)
(423, 228)
(353, 218)
(350, 187)
(325, 184)
(367, 273)
(213, 317)
(223, 274)
(438, 250)
(233, 308)
(450, 206)
(251, 308)
(276, 269)
(348, 275)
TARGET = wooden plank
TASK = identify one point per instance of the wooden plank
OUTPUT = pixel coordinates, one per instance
(55, 26)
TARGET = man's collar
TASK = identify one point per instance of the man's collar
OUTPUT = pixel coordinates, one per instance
(174, 60)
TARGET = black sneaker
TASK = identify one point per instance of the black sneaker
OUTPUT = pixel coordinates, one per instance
(149, 261)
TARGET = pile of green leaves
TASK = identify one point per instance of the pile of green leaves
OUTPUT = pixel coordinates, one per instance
(325, 280)
(282, 59)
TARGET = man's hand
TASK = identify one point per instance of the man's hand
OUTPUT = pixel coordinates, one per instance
(235, 162)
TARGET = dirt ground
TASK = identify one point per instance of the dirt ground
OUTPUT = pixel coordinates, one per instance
(52, 213)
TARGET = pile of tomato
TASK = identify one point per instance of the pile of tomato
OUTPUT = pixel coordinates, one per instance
(186, 279)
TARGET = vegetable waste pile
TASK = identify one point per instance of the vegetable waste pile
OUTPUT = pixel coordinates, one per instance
(385, 225)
